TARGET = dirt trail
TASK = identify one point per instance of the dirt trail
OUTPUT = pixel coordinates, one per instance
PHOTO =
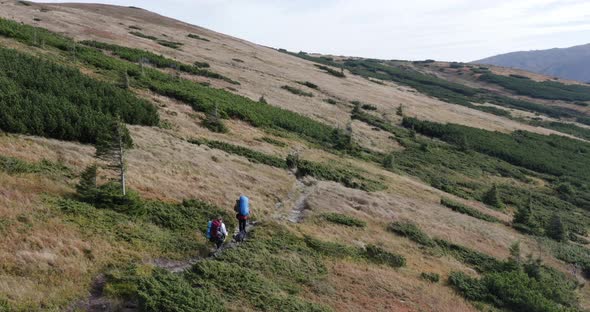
(97, 301)
(297, 199)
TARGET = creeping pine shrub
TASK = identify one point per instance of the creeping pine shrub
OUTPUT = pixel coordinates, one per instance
(343, 219)
(430, 277)
(297, 91)
(251, 155)
(411, 231)
(460, 208)
(492, 198)
(378, 255)
(308, 84)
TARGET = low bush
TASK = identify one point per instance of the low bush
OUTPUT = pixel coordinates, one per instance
(412, 232)
(297, 91)
(252, 155)
(430, 277)
(272, 141)
(460, 208)
(308, 84)
(369, 107)
(378, 255)
(346, 177)
(330, 101)
(13, 165)
(142, 35)
(331, 71)
(194, 36)
(343, 219)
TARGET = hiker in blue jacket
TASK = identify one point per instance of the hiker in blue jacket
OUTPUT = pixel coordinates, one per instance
(242, 209)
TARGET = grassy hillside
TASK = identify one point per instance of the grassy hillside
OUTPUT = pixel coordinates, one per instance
(375, 185)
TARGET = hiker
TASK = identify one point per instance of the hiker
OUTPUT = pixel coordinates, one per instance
(216, 231)
(242, 209)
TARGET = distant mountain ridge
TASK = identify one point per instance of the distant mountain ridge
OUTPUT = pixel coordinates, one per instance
(568, 63)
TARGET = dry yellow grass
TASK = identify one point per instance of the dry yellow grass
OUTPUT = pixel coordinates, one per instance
(164, 166)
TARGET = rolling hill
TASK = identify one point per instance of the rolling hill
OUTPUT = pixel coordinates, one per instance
(568, 63)
(375, 185)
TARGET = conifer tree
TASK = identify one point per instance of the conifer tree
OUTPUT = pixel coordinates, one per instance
(87, 187)
(555, 228)
(110, 147)
(524, 213)
(492, 198)
(400, 110)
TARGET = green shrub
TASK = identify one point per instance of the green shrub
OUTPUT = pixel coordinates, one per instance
(159, 61)
(460, 208)
(170, 44)
(333, 249)
(343, 219)
(214, 124)
(142, 35)
(308, 84)
(193, 36)
(412, 232)
(479, 261)
(297, 91)
(252, 155)
(331, 71)
(347, 177)
(515, 290)
(330, 101)
(42, 98)
(377, 255)
(12, 165)
(430, 277)
(550, 90)
(273, 141)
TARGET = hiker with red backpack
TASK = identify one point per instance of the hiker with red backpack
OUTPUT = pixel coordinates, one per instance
(216, 231)
(242, 209)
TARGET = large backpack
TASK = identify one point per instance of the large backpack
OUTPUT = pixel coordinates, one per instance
(215, 228)
(208, 234)
(244, 206)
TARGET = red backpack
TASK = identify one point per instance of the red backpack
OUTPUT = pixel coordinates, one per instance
(215, 227)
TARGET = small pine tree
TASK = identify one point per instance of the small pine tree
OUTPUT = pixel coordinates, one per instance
(111, 144)
(214, 123)
(125, 80)
(292, 160)
(515, 252)
(555, 228)
(87, 187)
(262, 100)
(400, 110)
(524, 213)
(492, 198)
(389, 161)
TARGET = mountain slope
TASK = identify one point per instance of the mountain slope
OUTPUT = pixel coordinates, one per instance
(364, 199)
(568, 63)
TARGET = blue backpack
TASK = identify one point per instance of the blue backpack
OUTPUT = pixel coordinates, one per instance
(208, 235)
(244, 206)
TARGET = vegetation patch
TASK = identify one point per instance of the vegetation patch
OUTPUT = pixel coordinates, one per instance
(331, 71)
(42, 98)
(550, 90)
(252, 155)
(194, 36)
(343, 219)
(412, 232)
(430, 277)
(13, 165)
(308, 84)
(159, 61)
(460, 208)
(346, 177)
(272, 141)
(297, 91)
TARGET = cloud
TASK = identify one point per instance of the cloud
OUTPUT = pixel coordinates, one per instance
(459, 30)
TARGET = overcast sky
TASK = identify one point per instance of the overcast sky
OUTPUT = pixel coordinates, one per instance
(454, 30)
